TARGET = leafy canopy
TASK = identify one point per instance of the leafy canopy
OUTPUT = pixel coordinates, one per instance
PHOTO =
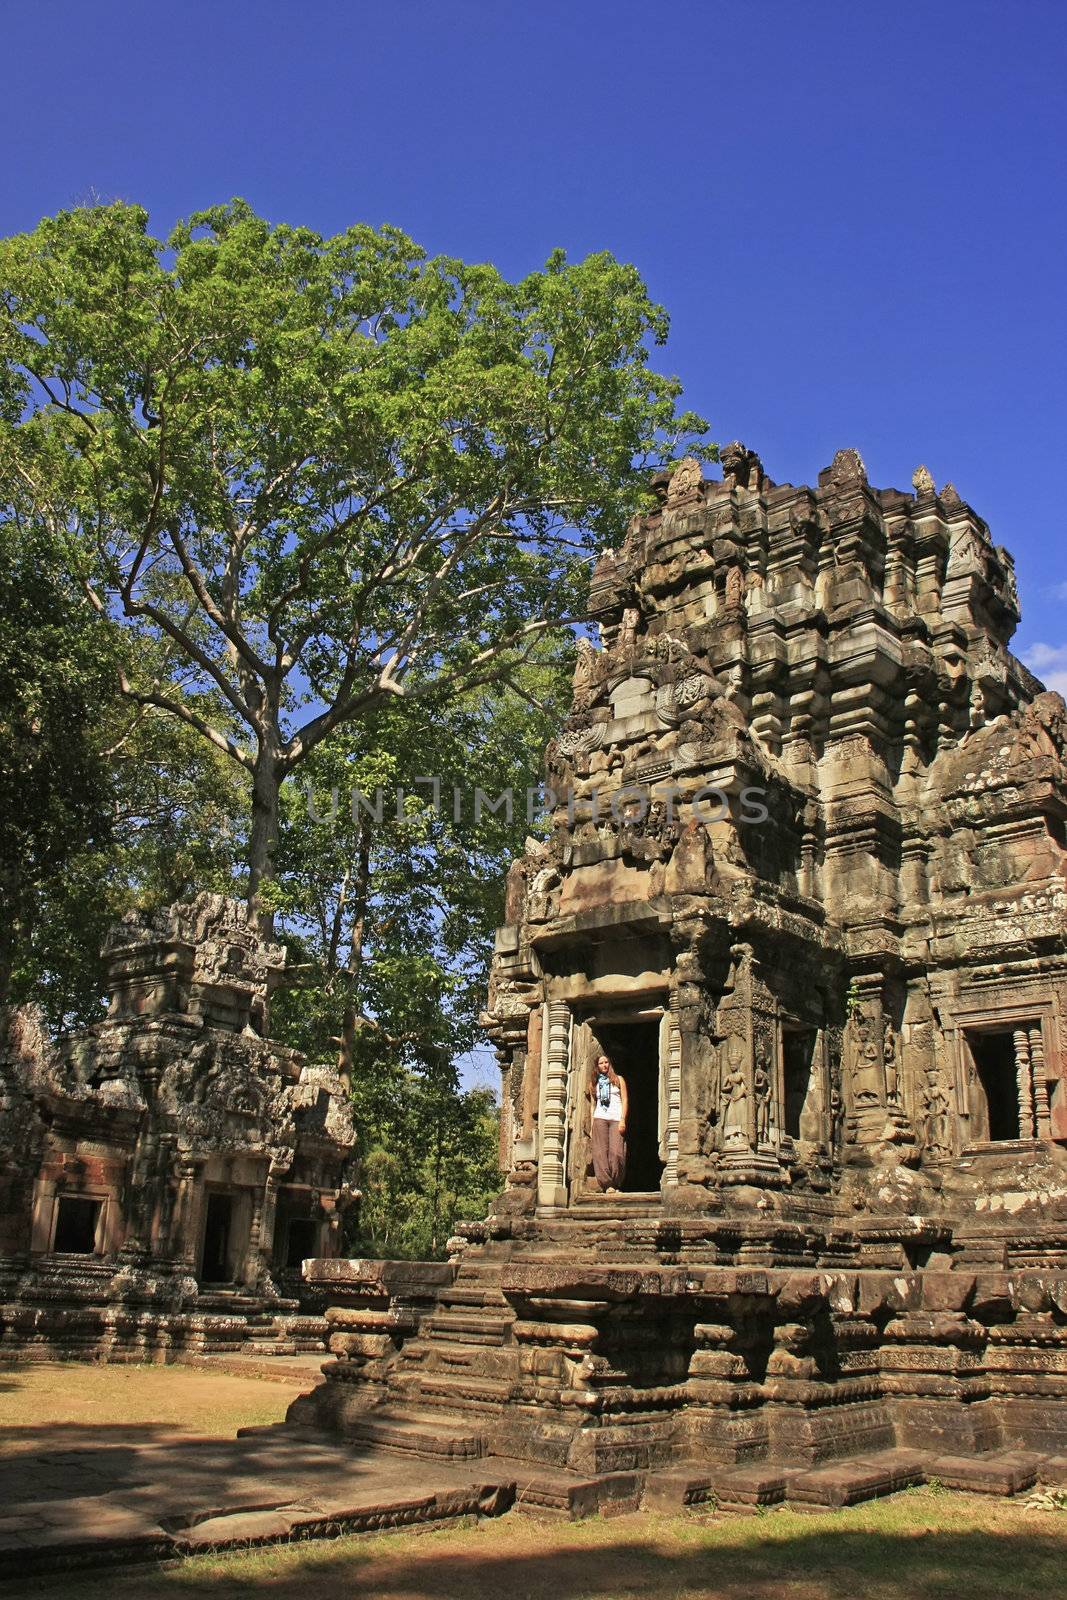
(324, 471)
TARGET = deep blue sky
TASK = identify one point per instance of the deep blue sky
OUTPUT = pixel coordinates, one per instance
(854, 212)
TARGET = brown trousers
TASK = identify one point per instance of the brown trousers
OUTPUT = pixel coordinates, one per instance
(609, 1153)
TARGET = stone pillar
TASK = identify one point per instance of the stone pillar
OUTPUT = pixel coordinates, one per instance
(1021, 1041)
(552, 1120)
(267, 1220)
(141, 1195)
(1042, 1115)
(187, 1210)
(252, 1268)
(671, 1066)
(871, 1072)
(259, 1260)
(749, 1119)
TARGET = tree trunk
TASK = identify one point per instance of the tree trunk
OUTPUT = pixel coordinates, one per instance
(266, 784)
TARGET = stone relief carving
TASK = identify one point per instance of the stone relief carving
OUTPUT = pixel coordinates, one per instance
(864, 1062)
(686, 482)
(735, 1097)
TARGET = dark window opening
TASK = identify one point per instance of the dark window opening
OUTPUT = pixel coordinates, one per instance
(76, 1222)
(301, 1241)
(216, 1266)
(997, 1085)
(798, 1052)
(634, 1051)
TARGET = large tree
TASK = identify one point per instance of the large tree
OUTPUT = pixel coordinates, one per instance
(325, 472)
(389, 891)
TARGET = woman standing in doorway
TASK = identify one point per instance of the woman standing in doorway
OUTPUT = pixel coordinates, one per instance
(607, 1092)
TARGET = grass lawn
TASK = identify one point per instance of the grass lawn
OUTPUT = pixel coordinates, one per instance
(167, 1399)
(920, 1545)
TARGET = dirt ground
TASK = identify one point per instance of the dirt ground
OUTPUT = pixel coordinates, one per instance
(182, 1399)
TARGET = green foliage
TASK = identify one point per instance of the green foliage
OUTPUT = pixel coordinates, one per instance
(102, 805)
(420, 891)
(324, 472)
(431, 1161)
(54, 779)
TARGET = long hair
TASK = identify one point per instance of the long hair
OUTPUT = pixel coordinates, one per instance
(613, 1076)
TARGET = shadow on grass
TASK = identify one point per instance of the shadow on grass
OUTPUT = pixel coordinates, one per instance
(727, 1560)
(71, 1461)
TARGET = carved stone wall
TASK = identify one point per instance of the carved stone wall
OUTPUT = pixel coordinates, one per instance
(805, 874)
(805, 783)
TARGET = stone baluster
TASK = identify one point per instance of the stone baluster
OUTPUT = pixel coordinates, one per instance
(673, 1068)
(553, 1118)
(1023, 1074)
(250, 1270)
(1042, 1117)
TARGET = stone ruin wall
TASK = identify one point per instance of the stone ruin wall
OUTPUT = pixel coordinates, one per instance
(160, 1169)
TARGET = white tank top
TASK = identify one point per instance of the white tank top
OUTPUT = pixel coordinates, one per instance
(612, 1112)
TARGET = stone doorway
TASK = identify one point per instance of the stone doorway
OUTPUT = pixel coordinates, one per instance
(77, 1222)
(301, 1242)
(800, 1097)
(217, 1260)
(996, 1086)
(633, 1043)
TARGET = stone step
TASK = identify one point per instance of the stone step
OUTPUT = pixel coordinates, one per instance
(284, 1347)
(470, 1295)
(431, 1436)
(561, 1494)
(1004, 1472)
(469, 1389)
(848, 1482)
(229, 1305)
(471, 1360)
(469, 1327)
(750, 1487)
(618, 1207)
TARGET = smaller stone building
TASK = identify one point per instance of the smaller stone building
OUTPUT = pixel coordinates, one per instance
(164, 1172)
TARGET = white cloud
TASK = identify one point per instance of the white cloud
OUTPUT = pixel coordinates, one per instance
(1049, 661)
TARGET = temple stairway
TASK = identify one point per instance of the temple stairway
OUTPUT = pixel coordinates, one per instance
(453, 1372)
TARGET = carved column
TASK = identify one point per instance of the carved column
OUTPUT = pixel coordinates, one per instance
(251, 1270)
(552, 1169)
(672, 1067)
(871, 1071)
(187, 1210)
(749, 1118)
(1042, 1115)
(1021, 1041)
(261, 1240)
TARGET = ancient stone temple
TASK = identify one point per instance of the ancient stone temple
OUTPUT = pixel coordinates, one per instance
(804, 883)
(164, 1172)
